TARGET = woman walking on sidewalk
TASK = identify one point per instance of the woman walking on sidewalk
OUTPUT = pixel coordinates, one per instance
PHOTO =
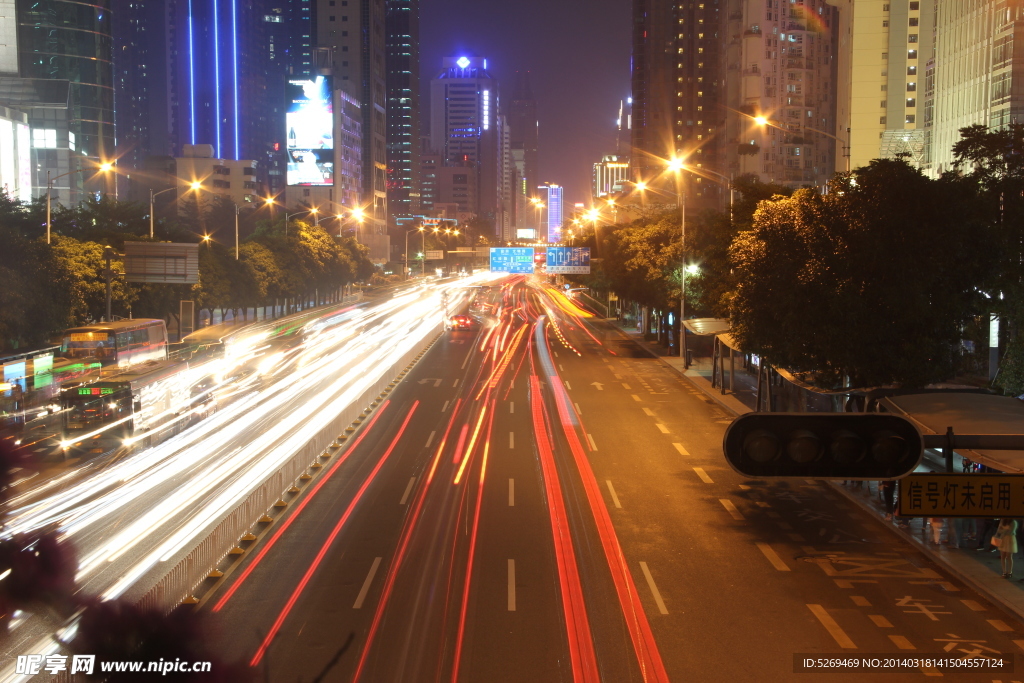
(1005, 539)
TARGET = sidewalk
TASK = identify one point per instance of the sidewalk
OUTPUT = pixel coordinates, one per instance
(978, 569)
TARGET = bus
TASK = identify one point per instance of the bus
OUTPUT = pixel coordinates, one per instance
(130, 406)
(119, 344)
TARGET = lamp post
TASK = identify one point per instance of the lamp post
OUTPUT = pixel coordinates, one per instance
(407, 232)
(103, 168)
(677, 166)
(152, 196)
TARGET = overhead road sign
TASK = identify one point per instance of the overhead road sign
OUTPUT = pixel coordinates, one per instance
(511, 259)
(568, 261)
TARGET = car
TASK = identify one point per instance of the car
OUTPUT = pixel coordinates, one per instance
(459, 322)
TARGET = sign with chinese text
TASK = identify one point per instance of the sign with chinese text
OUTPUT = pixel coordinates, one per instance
(961, 495)
(511, 259)
(568, 260)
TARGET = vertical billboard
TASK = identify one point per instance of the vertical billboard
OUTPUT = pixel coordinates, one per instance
(310, 123)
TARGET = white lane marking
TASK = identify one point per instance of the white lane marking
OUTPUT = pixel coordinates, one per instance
(661, 428)
(512, 384)
(444, 407)
(511, 439)
(561, 368)
(456, 383)
(860, 601)
(593, 446)
(832, 627)
(408, 490)
(511, 406)
(654, 588)
(973, 605)
(430, 439)
(1019, 643)
(611, 490)
(511, 585)
(727, 504)
(618, 376)
(902, 643)
(635, 397)
(773, 557)
(703, 475)
(511, 493)
(999, 625)
(679, 447)
(578, 411)
(648, 412)
(626, 387)
(744, 487)
(556, 353)
(467, 358)
(880, 621)
(366, 584)
(567, 385)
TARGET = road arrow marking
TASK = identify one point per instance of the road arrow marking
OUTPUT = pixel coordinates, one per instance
(600, 387)
(436, 381)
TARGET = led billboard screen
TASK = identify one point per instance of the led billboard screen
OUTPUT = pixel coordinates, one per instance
(310, 123)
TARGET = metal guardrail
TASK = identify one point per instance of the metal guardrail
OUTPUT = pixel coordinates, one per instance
(180, 582)
(595, 304)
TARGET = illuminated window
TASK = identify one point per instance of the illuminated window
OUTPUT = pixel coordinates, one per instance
(44, 138)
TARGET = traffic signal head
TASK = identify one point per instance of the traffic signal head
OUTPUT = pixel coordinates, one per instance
(823, 445)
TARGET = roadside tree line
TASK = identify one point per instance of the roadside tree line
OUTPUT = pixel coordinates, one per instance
(45, 288)
(890, 277)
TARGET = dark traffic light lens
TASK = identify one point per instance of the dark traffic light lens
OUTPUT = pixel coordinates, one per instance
(888, 447)
(761, 446)
(803, 446)
(846, 447)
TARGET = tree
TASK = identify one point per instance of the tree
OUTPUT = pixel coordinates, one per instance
(872, 282)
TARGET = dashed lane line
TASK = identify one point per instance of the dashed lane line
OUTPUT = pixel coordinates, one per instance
(679, 447)
(973, 605)
(730, 508)
(635, 397)
(444, 407)
(430, 439)
(593, 446)
(773, 557)
(511, 406)
(366, 584)
(578, 411)
(511, 439)
(654, 588)
(880, 621)
(408, 490)
(511, 492)
(703, 475)
(832, 627)
(566, 383)
(999, 625)
(648, 412)
(511, 585)
(860, 601)
(661, 428)
(611, 490)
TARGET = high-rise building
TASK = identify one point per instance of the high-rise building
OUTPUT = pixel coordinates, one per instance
(552, 195)
(611, 176)
(68, 41)
(355, 33)
(403, 91)
(291, 37)
(780, 65)
(883, 52)
(624, 128)
(978, 73)
(525, 132)
(679, 93)
(468, 129)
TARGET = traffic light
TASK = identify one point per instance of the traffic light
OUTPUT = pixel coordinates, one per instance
(823, 445)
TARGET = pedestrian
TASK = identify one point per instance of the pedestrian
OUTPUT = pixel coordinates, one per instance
(1005, 539)
(888, 493)
(987, 530)
(936, 524)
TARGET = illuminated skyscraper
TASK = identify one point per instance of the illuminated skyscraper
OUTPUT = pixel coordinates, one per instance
(468, 128)
(403, 88)
(553, 202)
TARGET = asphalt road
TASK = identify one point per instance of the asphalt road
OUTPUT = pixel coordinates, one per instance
(540, 500)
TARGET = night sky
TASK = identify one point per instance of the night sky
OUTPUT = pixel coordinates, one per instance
(577, 53)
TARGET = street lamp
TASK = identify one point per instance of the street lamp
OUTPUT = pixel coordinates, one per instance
(615, 209)
(765, 121)
(316, 216)
(407, 232)
(103, 168)
(677, 166)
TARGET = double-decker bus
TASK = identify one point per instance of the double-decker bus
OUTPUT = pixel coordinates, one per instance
(119, 344)
(127, 407)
